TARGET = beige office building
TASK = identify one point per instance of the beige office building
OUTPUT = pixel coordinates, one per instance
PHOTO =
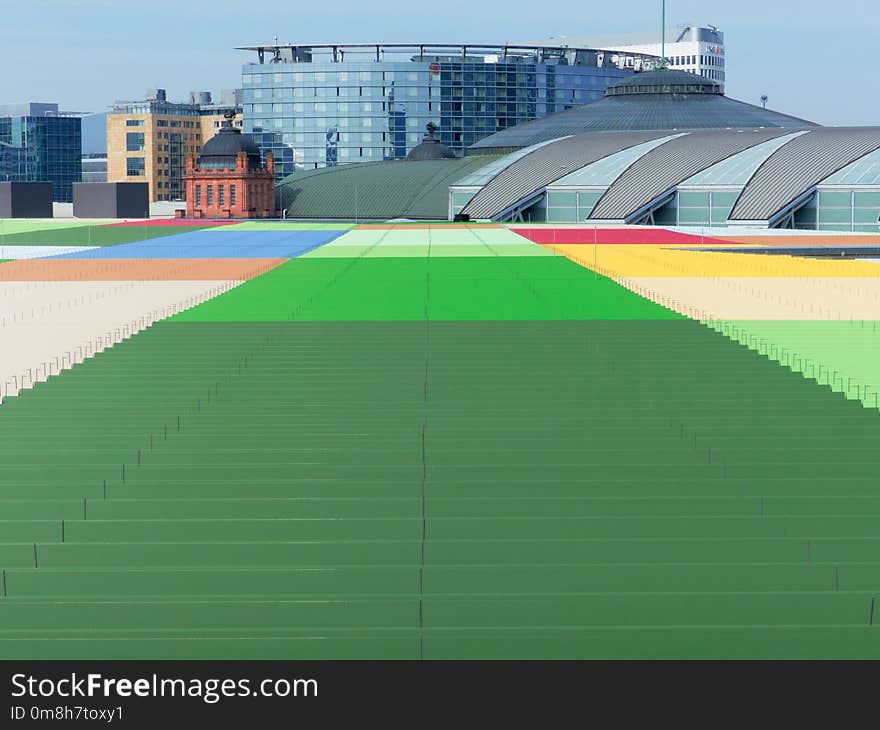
(148, 141)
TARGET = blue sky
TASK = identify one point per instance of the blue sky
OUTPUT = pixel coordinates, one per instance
(813, 59)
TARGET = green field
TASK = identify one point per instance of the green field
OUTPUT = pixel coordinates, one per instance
(12, 226)
(90, 235)
(478, 288)
(438, 457)
(844, 355)
(531, 489)
(416, 250)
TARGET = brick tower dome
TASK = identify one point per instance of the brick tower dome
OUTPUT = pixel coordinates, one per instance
(228, 179)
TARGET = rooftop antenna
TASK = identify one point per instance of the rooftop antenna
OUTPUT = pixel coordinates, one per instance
(764, 100)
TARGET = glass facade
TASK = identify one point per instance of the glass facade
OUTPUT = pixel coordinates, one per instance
(702, 207)
(42, 149)
(13, 160)
(848, 210)
(322, 113)
(571, 206)
(832, 209)
(849, 200)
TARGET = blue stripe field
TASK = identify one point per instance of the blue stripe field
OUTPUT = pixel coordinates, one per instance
(212, 245)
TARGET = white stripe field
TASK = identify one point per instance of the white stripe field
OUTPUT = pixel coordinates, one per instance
(17, 253)
(49, 326)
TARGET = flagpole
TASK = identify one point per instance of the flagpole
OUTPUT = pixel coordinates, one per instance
(663, 33)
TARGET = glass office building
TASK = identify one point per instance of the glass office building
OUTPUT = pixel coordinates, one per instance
(13, 160)
(40, 144)
(319, 106)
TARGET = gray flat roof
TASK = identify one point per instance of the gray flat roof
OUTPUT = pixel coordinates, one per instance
(425, 47)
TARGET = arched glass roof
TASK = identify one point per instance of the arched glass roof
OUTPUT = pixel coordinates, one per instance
(737, 170)
(864, 171)
(607, 170)
(795, 168)
(484, 174)
(529, 175)
(665, 167)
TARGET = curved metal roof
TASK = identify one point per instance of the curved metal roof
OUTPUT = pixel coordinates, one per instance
(666, 166)
(430, 149)
(484, 174)
(864, 171)
(795, 168)
(628, 107)
(221, 150)
(738, 169)
(532, 173)
(664, 81)
(376, 190)
(604, 172)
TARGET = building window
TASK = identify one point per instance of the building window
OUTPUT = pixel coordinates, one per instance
(210, 195)
(221, 195)
(134, 122)
(134, 166)
(198, 195)
(232, 195)
(134, 141)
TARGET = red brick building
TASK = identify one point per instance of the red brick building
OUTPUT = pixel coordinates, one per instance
(227, 180)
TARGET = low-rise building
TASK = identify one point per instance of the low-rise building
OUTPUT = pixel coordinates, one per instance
(228, 180)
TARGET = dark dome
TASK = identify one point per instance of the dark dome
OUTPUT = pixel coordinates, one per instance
(664, 81)
(220, 151)
(430, 148)
(646, 101)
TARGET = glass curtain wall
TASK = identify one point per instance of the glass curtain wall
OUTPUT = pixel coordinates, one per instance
(315, 114)
(848, 210)
(43, 149)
